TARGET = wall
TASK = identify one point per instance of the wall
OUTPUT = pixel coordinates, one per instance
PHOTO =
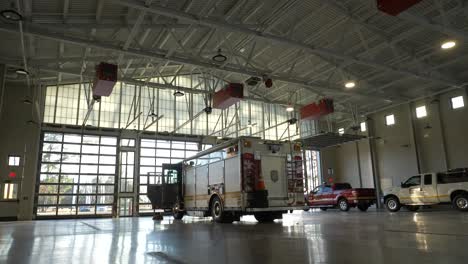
(346, 166)
(17, 137)
(435, 143)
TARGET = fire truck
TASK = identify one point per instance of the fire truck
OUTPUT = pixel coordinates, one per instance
(242, 176)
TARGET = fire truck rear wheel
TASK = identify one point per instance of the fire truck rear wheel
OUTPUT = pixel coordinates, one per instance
(217, 212)
(363, 207)
(264, 217)
(178, 215)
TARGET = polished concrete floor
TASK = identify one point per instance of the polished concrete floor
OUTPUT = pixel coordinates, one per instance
(302, 237)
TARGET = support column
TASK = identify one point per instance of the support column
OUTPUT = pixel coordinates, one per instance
(2, 87)
(358, 154)
(374, 162)
(413, 136)
(442, 133)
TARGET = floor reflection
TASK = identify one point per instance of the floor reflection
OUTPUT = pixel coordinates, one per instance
(312, 237)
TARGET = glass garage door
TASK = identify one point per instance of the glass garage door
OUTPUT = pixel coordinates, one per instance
(153, 153)
(77, 175)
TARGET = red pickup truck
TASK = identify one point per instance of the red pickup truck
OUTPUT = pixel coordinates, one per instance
(341, 195)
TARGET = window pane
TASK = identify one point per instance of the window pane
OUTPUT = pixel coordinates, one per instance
(69, 178)
(88, 179)
(72, 138)
(48, 189)
(50, 167)
(390, 120)
(105, 169)
(49, 178)
(70, 168)
(105, 189)
(88, 199)
(85, 189)
(68, 189)
(421, 111)
(106, 179)
(107, 159)
(363, 127)
(127, 142)
(457, 102)
(91, 140)
(89, 159)
(46, 199)
(67, 199)
(70, 158)
(147, 152)
(53, 137)
(91, 149)
(52, 147)
(71, 148)
(109, 141)
(108, 150)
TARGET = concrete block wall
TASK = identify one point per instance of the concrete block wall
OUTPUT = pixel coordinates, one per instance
(434, 143)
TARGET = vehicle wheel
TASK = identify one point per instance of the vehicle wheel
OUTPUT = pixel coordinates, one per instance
(307, 209)
(412, 208)
(461, 202)
(264, 217)
(217, 212)
(362, 207)
(323, 208)
(343, 205)
(392, 204)
(176, 213)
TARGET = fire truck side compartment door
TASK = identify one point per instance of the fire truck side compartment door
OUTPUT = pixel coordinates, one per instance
(274, 176)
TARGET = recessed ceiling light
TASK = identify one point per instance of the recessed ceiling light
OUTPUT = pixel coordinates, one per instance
(290, 108)
(178, 93)
(350, 84)
(448, 44)
(12, 15)
(22, 71)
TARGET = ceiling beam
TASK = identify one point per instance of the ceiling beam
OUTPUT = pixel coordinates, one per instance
(431, 25)
(316, 87)
(169, 12)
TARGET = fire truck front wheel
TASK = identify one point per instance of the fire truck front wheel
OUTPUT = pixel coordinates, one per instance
(218, 213)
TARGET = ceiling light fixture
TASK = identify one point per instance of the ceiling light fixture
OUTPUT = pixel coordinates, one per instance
(289, 108)
(350, 84)
(242, 50)
(448, 44)
(178, 94)
(22, 71)
(27, 101)
(12, 15)
(219, 57)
